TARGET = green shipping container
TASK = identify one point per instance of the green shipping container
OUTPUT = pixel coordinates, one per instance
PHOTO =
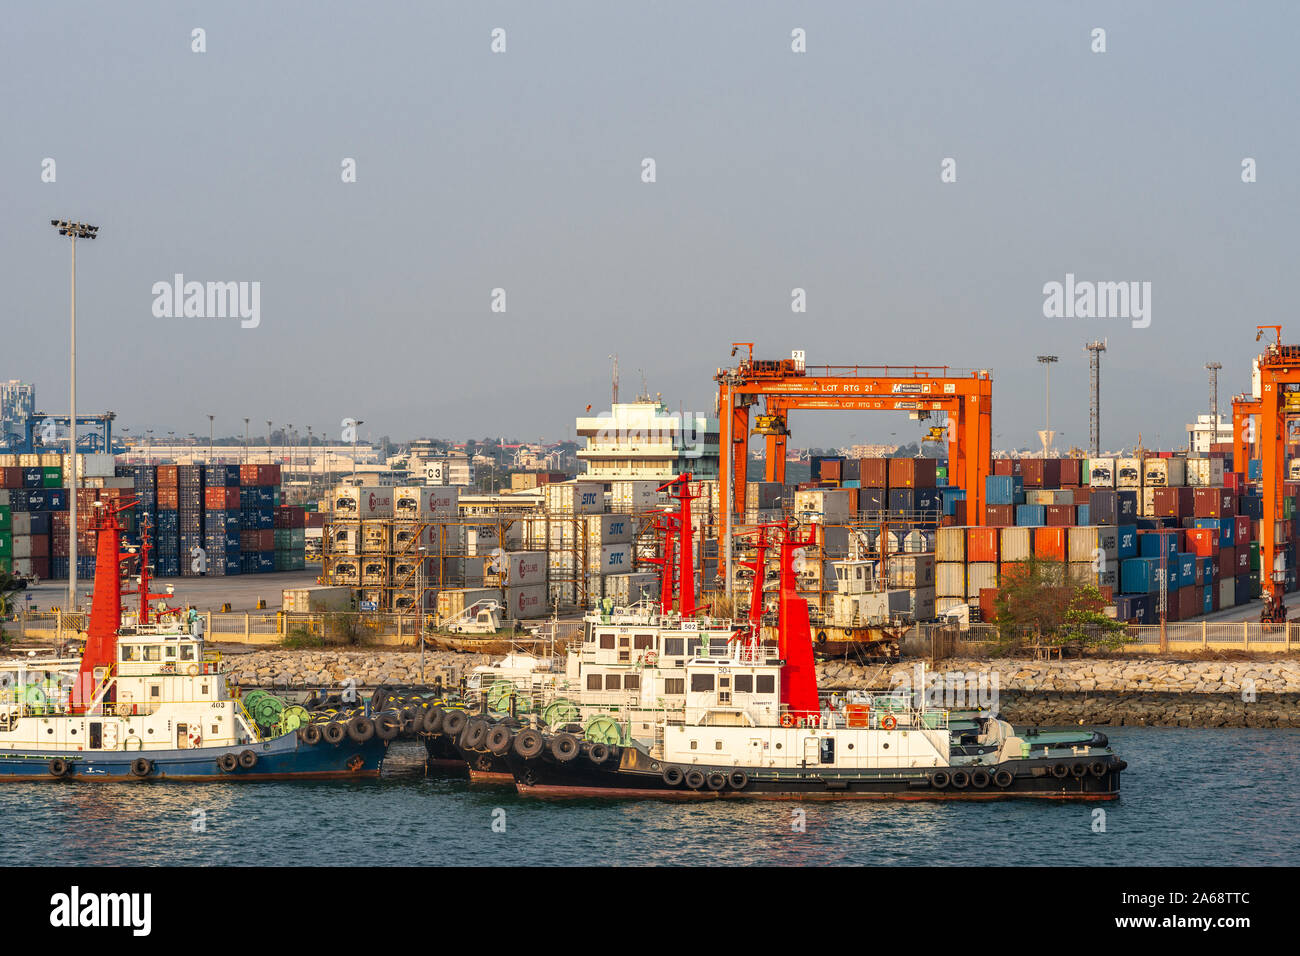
(52, 477)
(6, 518)
(1254, 556)
(6, 545)
(6, 565)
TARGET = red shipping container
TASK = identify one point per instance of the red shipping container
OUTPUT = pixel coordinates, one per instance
(41, 568)
(1191, 603)
(988, 604)
(982, 544)
(1227, 563)
(168, 498)
(221, 499)
(167, 476)
(1050, 543)
(1000, 516)
(911, 472)
(11, 477)
(1211, 503)
(1041, 472)
(1003, 466)
(830, 470)
(1172, 502)
(1233, 481)
(1241, 532)
(1082, 496)
(1061, 516)
(1071, 473)
(1203, 542)
(873, 472)
(959, 512)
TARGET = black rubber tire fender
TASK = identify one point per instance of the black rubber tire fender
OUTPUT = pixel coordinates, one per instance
(387, 726)
(960, 779)
(228, 762)
(499, 739)
(979, 779)
(716, 780)
(248, 758)
(141, 767)
(453, 722)
(1079, 770)
(565, 747)
(59, 767)
(940, 779)
(311, 735)
(1003, 778)
(361, 728)
(475, 732)
(673, 775)
(529, 744)
(598, 754)
(695, 778)
(334, 733)
(738, 779)
(432, 722)
(1060, 770)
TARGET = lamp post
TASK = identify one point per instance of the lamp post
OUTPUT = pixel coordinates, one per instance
(211, 433)
(74, 231)
(419, 604)
(1047, 362)
(244, 460)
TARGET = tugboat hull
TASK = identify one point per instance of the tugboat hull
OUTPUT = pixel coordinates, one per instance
(284, 758)
(637, 776)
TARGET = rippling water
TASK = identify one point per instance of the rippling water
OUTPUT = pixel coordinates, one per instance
(1190, 797)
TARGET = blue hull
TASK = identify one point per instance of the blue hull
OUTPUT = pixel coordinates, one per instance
(284, 758)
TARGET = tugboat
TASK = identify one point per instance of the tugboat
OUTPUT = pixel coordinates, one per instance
(753, 726)
(146, 701)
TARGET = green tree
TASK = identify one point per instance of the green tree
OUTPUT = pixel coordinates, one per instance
(10, 584)
(1037, 602)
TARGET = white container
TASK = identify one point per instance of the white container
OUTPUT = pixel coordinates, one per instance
(525, 603)
(918, 542)
(1227, 593)
(308, 600)
(634, 496)
(365, 501)
(1128, 473)
(950, 579)
(1208, 472)
(486, 538)
(575, 497)
(1084, 541)
(1165, 472)
(948, 606)
(345, 537)
(453, 601)
(625, 589)
(921, 603)
(911, 571)
(827, 505)
(950, 545)
(1015, 544)
(980, 574)
(522, 568)
(614, 559)
(1101, 472)
(416, 502)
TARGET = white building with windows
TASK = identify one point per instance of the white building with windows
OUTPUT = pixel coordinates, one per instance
(1206, 431)
(644, 440)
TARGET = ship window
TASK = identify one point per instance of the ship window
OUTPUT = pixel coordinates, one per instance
(187, 652)
(717, 745)
(155, 690)
(203, 688)
(766, 684)
(607, 642)
(674, 646)
(695, 745)
(701, 682)
(693, 645)
(171, 651)
(642, 641)
(128, 652)
(152, 652)
(826, 750)
(612, 682)
(632, 682)
(593, 682)
(674, 685)
(744, 683)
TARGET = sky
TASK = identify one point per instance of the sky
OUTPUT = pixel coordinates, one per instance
(522, 171)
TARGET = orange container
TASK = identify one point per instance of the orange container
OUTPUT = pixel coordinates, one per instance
(1050, 543)
(982, 544)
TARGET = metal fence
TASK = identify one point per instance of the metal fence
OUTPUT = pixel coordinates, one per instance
(945, 641)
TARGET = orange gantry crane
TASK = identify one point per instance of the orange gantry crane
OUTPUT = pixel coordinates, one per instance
(1279, 393)
(787, 384)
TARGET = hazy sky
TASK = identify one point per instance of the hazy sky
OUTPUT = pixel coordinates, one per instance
(523, 170)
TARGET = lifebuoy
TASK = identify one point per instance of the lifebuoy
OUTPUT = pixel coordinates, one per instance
(787, 720)
(192, 670)
(821, 637)
(888, 722)
(196, 740)
(651, 658)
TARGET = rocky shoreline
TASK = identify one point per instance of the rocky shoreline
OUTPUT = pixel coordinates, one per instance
(1100, 692)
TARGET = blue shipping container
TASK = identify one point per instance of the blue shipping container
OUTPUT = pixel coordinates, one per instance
(1139, 575)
